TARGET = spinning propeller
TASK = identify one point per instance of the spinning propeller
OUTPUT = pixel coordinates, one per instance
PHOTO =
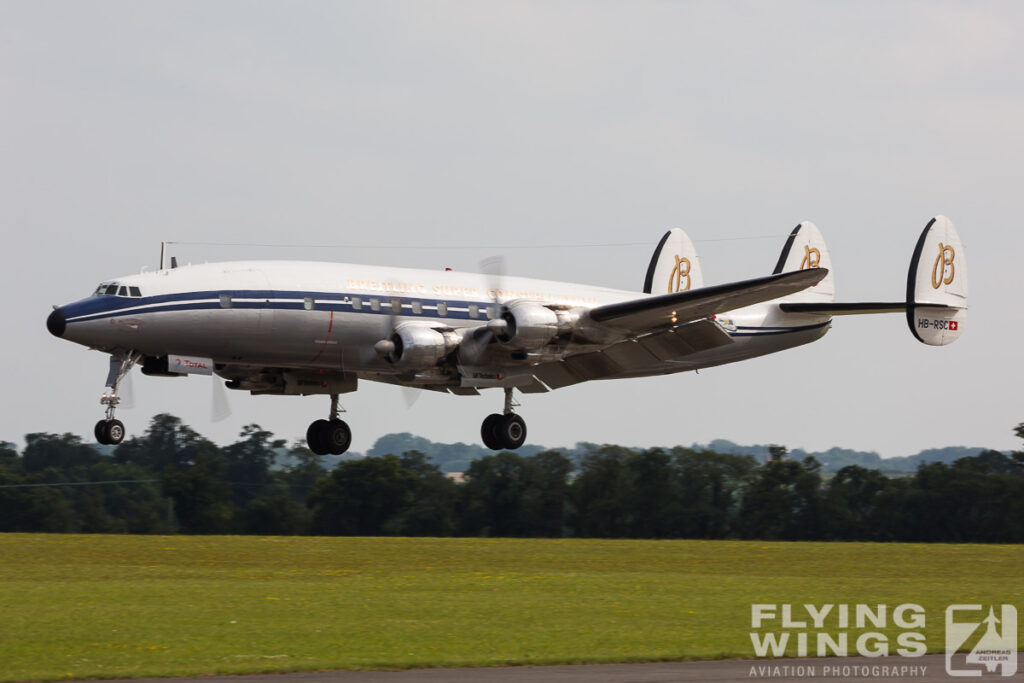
(476, 339)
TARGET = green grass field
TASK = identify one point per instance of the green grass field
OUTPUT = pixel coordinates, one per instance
(121, 606)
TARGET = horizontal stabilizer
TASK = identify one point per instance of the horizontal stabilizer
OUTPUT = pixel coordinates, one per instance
(844, 309)
(936, 304)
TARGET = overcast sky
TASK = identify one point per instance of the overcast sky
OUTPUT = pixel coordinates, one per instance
(433, 134)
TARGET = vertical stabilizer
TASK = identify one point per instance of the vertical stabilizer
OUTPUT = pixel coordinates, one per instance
(674, 266)
(806, 249)
(937, 285)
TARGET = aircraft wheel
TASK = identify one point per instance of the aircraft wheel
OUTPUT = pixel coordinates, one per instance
(115, 432)
(337, 436)
(489, 431)
(100, 432)
(316, 437)
(511, 431)
(109, 432)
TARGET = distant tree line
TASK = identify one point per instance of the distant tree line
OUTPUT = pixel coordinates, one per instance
(172, 480)
(458, 456)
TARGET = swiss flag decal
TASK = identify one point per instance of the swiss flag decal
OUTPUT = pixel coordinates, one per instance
(954, 325)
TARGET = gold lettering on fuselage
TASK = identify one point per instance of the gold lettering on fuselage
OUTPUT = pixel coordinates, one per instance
(446, 291)
(944, 259)
(388, 286)
(680, 272)
(812, 257)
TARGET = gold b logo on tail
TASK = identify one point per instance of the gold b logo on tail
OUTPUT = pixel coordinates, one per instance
(812, 257)
(944, 259)
(679, 273)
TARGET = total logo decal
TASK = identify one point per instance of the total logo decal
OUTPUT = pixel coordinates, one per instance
(980, 640)
(190, 364)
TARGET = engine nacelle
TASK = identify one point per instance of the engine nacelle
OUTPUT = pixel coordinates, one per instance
(528, 325)
(414, 347)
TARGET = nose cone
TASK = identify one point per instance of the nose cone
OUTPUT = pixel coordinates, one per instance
(56, 323)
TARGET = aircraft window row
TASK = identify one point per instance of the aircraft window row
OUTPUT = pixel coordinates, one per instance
(115, 289)
(375, 304)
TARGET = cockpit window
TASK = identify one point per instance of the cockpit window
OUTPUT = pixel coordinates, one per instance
(114, 289)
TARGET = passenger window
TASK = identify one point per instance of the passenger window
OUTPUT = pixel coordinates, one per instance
(492, 312)
(396, 306)
(442, 309)
(417, 307)
(474, 311)
(357, 303)
(135, 291)
(308, 303)
(374, 304)
(225, 301)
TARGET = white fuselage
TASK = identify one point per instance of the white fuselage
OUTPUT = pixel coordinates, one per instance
(320, 316)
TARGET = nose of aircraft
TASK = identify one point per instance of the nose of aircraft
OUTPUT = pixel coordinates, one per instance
(56, 322)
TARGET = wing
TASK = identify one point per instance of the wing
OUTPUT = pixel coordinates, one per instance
(654, 331)
(666, 311)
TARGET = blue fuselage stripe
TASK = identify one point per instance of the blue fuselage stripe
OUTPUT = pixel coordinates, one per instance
(102, 307)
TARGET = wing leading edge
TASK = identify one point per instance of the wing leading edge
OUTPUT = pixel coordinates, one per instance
(665, 311)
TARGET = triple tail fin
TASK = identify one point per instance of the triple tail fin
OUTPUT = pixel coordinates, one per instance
(806, 249)
(674, 266)
(936, 303)
(937, 285)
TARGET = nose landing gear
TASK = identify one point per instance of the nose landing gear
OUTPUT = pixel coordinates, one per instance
(331, 436)
(504, 431)
(110, 431)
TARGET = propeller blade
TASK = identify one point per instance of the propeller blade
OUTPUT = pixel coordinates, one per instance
(411, 395)
(494, 268)
(473, 345)
(126, 392)
(475, 342)
(219, 408)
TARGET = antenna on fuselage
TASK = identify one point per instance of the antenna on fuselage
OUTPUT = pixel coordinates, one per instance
(163, 250)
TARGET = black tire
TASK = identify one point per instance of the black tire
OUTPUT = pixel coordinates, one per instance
(100, 432)
(489, 431)
(511, 431)
(114, 432)
(337, 437)
(315, 436)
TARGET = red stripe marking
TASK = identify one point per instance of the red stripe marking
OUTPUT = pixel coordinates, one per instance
(330, 326)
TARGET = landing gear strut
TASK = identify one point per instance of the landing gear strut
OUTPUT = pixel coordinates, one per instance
(331, 436)
(504, 431)
(110, 431)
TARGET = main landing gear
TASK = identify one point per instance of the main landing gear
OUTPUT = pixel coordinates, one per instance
(504, 431)
(110, 431)
(331, 436)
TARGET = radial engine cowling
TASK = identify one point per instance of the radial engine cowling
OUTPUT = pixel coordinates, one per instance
(528, 325)
(414, 347)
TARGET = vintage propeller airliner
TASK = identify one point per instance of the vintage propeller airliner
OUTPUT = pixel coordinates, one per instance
(287, 327)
